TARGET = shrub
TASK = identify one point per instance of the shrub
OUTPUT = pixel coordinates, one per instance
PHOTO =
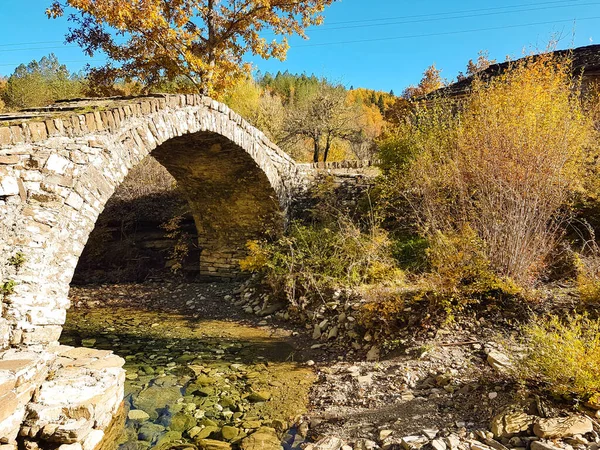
(17, 260)
(410, 250)
(504, 162)
(311, 259)
(588, 275)
(563, 356)
(459, 265)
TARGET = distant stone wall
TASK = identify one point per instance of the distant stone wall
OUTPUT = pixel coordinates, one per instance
(348, 181)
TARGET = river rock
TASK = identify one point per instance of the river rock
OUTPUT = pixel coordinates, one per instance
(562, 427)
(167, 440)
(262, 439)
(150, 431)
(229, 433)
(499, 361)
(438, 444)
(207, 432)
(252, 424)
(260, 396)
(137, 415)
(365, 444)
(329, 443)
(373, 354)
(316, 332)
(204, 380)
(212, 444)
(511, 422)
(155, 398)
(182, 422)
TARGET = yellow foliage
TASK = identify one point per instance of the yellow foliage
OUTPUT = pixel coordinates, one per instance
(384, 306)
(257, 258)
(459, 265)
(311, 259)
(203, 40)
(431, 81)
(563, 355)
(262, 109)
(2, 91)
(588, 277)
(340, 151)
(504, 162)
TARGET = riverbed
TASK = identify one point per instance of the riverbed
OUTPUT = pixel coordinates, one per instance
(198, 374)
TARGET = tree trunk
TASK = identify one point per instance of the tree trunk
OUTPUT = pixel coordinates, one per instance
(210, 22)
(327, 147)
(316, 151)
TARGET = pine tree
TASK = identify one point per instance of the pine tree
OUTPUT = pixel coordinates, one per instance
(381, 104)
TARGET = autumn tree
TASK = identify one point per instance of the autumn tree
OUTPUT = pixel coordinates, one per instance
(370, 125)
(432, 80)
(3, 83)
(322, 118)
(495, 175)
(399, 111)
(260, 107)
(203, 40)
(474, 67)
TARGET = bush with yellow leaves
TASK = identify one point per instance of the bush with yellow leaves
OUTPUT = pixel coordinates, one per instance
(504, 162)
(312, 259)
(588, 275)
(563, 356)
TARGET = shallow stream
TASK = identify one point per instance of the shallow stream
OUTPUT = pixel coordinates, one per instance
(197, 382)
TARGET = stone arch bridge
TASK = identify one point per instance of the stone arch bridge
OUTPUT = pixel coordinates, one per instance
(58, 168)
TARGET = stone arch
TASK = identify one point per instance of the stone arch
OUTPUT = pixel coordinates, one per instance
(58, 170)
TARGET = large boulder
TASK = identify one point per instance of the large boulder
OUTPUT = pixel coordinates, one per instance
(511, 422)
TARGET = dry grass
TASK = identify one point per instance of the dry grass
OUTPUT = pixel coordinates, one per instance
(148, 178)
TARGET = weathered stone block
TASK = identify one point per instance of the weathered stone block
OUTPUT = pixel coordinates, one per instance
(7, 382)
(8, 159)
(41, 334)
(57, 164)
(9, 427)
(8, 405)
(47, 316)
(8, 186)
(38, 131)
(5, 136)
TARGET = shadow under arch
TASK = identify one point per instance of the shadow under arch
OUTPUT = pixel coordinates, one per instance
(230, 198)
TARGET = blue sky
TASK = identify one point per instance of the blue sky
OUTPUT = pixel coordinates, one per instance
(379, 44)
